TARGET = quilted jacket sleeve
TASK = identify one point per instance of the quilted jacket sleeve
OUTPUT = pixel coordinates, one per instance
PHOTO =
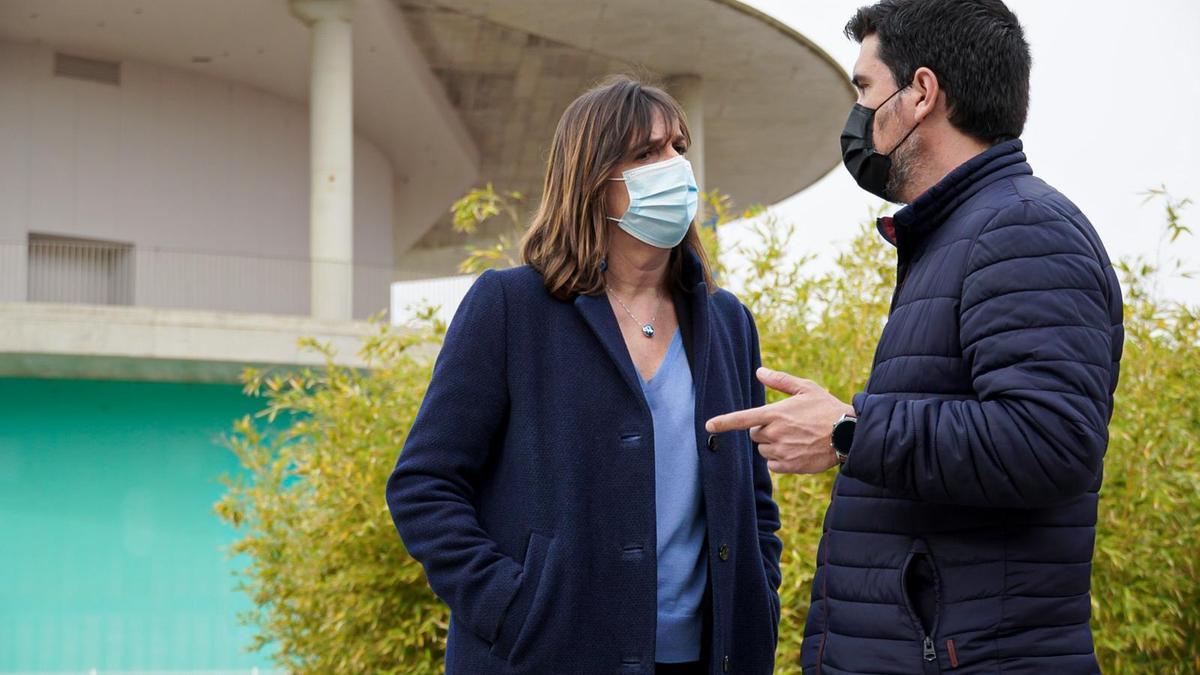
(1036, 333)
(429, 492)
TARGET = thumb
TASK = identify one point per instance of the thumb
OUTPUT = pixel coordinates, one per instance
(782, 382)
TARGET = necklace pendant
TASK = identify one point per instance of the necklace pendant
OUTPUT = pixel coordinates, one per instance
(648, 330)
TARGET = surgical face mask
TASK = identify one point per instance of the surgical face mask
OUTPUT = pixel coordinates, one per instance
(663, 198)
(869, 168)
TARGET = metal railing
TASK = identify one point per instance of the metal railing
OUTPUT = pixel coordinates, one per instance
(86, 272)
(46, 269)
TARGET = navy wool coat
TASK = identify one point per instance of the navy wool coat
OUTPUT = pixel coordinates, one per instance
(960, 533)
(526, 486)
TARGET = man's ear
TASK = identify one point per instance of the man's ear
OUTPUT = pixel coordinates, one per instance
(926, 84)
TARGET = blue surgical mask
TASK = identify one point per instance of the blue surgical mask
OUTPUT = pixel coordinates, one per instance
(663, 198)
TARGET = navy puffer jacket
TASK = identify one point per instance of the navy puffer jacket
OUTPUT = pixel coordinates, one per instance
(960, 532)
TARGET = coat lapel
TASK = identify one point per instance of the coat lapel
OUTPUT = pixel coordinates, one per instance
(698, 301)
(598, 314)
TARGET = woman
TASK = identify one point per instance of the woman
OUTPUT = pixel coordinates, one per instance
(557, 484)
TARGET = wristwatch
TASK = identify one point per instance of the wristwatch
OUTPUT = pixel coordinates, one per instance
(843, 437)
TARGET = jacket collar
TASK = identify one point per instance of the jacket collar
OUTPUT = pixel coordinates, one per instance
(939, 202)
(598, 314)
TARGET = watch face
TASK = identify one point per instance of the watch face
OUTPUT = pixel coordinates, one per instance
(843, 435)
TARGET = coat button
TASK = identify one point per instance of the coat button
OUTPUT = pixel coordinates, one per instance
(723, 552)
(713, 443)
(726, 666)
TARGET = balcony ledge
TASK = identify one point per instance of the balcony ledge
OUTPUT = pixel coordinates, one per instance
(140, 343)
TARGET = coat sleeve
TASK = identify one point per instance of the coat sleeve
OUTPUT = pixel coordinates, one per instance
(1036, 334)
(430, 490)
(767, 510)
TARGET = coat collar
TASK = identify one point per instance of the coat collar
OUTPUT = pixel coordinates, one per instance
(939, 202)
(598, 314)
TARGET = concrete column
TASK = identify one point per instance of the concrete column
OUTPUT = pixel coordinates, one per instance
(689, 91)
(331, 156)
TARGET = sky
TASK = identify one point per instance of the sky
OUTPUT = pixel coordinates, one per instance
(1115, 110)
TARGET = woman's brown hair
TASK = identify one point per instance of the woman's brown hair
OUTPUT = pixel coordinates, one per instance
(568, 238)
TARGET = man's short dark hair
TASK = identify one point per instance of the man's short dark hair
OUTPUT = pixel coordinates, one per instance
(976, 48)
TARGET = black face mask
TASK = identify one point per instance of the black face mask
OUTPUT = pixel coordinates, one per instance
(869, 168)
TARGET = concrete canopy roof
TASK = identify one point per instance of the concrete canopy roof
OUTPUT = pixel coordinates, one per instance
(773, 102)
(462, 91)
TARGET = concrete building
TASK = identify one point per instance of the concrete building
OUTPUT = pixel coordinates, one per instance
(189, 186)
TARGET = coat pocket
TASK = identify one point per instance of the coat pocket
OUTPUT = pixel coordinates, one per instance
(773, 603)
(920, 587)
(921, 591)
(513, 626)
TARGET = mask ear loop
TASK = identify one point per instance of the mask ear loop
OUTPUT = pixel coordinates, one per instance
(897, 146)
(615, 220)
(885, 101)
(910, 131)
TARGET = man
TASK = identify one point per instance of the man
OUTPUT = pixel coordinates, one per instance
(960, 530)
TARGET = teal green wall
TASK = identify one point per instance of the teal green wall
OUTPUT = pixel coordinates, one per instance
(110, 554)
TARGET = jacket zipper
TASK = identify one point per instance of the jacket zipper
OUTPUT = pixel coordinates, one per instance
(903, 262)
(930, 652)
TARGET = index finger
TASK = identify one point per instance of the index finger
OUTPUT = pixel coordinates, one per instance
(734, 421)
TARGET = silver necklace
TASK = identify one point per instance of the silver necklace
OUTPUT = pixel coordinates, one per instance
(647, 328)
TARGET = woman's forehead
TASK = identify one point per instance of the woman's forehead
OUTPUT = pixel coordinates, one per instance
(659, 132)
(661, 127)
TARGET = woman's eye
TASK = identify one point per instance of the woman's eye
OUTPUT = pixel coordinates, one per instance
(644, 155)
(681, 149)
